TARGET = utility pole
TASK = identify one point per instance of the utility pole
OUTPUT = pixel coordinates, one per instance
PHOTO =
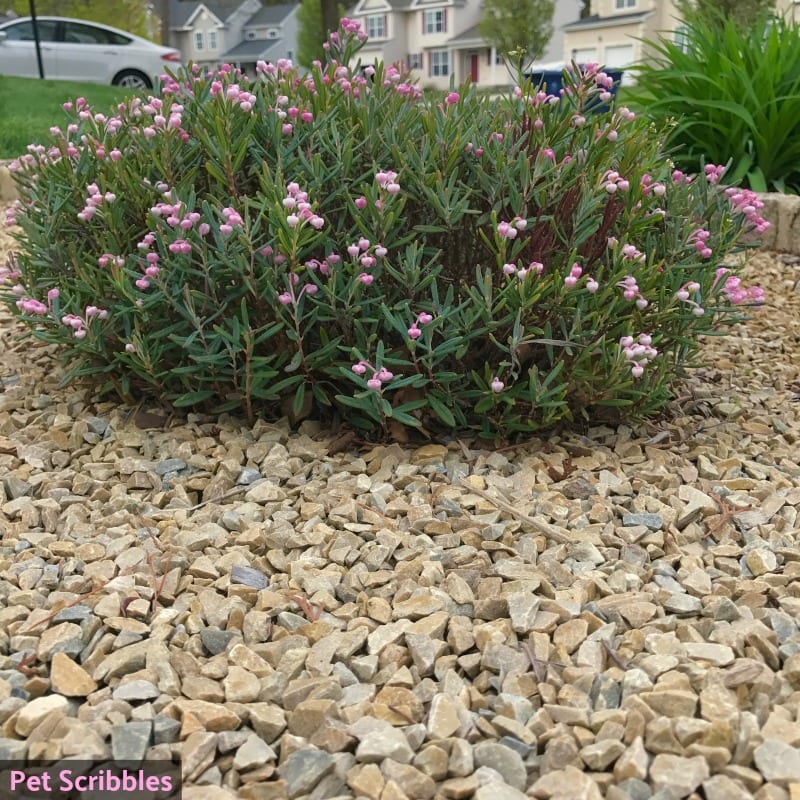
(38, 44)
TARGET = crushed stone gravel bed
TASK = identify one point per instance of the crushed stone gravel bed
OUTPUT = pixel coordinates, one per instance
(608, 614)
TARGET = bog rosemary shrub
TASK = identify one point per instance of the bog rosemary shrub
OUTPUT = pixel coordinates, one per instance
(336, 243)
(733, 92)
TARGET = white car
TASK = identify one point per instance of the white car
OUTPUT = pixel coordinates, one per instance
(76, 50)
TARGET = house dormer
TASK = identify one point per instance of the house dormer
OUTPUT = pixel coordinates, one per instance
(241, 32)
(269, 34)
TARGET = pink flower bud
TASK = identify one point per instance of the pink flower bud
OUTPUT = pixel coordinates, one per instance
(497, 385)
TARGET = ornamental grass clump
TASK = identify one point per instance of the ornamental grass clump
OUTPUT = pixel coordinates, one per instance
(732, 93)
(337, 244)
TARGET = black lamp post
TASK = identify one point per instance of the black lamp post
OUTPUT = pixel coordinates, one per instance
(35, 25)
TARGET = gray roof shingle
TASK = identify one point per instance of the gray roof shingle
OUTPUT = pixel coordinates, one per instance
(469, 35)
(254, 50)
(271, 15)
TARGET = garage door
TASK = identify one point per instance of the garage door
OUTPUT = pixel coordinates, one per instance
(584, 55)
(619, 55)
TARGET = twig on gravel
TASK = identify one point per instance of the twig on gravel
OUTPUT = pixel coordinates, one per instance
(727, 512)
(465, 450)
(389, 521)
(75, 602)
(311, 611)
(225, 495)
(550, 531)
(25, 667)
(538, 663)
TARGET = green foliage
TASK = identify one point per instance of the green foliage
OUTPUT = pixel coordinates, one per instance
(734, 96)
(129, 15)
(311, 34)
(336, 243)
(714, 13)
(519, 29)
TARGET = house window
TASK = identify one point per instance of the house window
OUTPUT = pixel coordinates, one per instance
(376, 26)
(620, 5)
(250, 36)
(272, 33)
(414, 60)
(440, 63)
(434, 21)
(199, 40)
(289, 54)
(212, 40)
(682, 38)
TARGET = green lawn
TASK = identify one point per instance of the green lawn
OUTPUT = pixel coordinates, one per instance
(30, 107)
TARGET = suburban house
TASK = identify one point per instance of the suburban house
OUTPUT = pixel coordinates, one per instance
(238, 32)
(613, 30)
(439, 39)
